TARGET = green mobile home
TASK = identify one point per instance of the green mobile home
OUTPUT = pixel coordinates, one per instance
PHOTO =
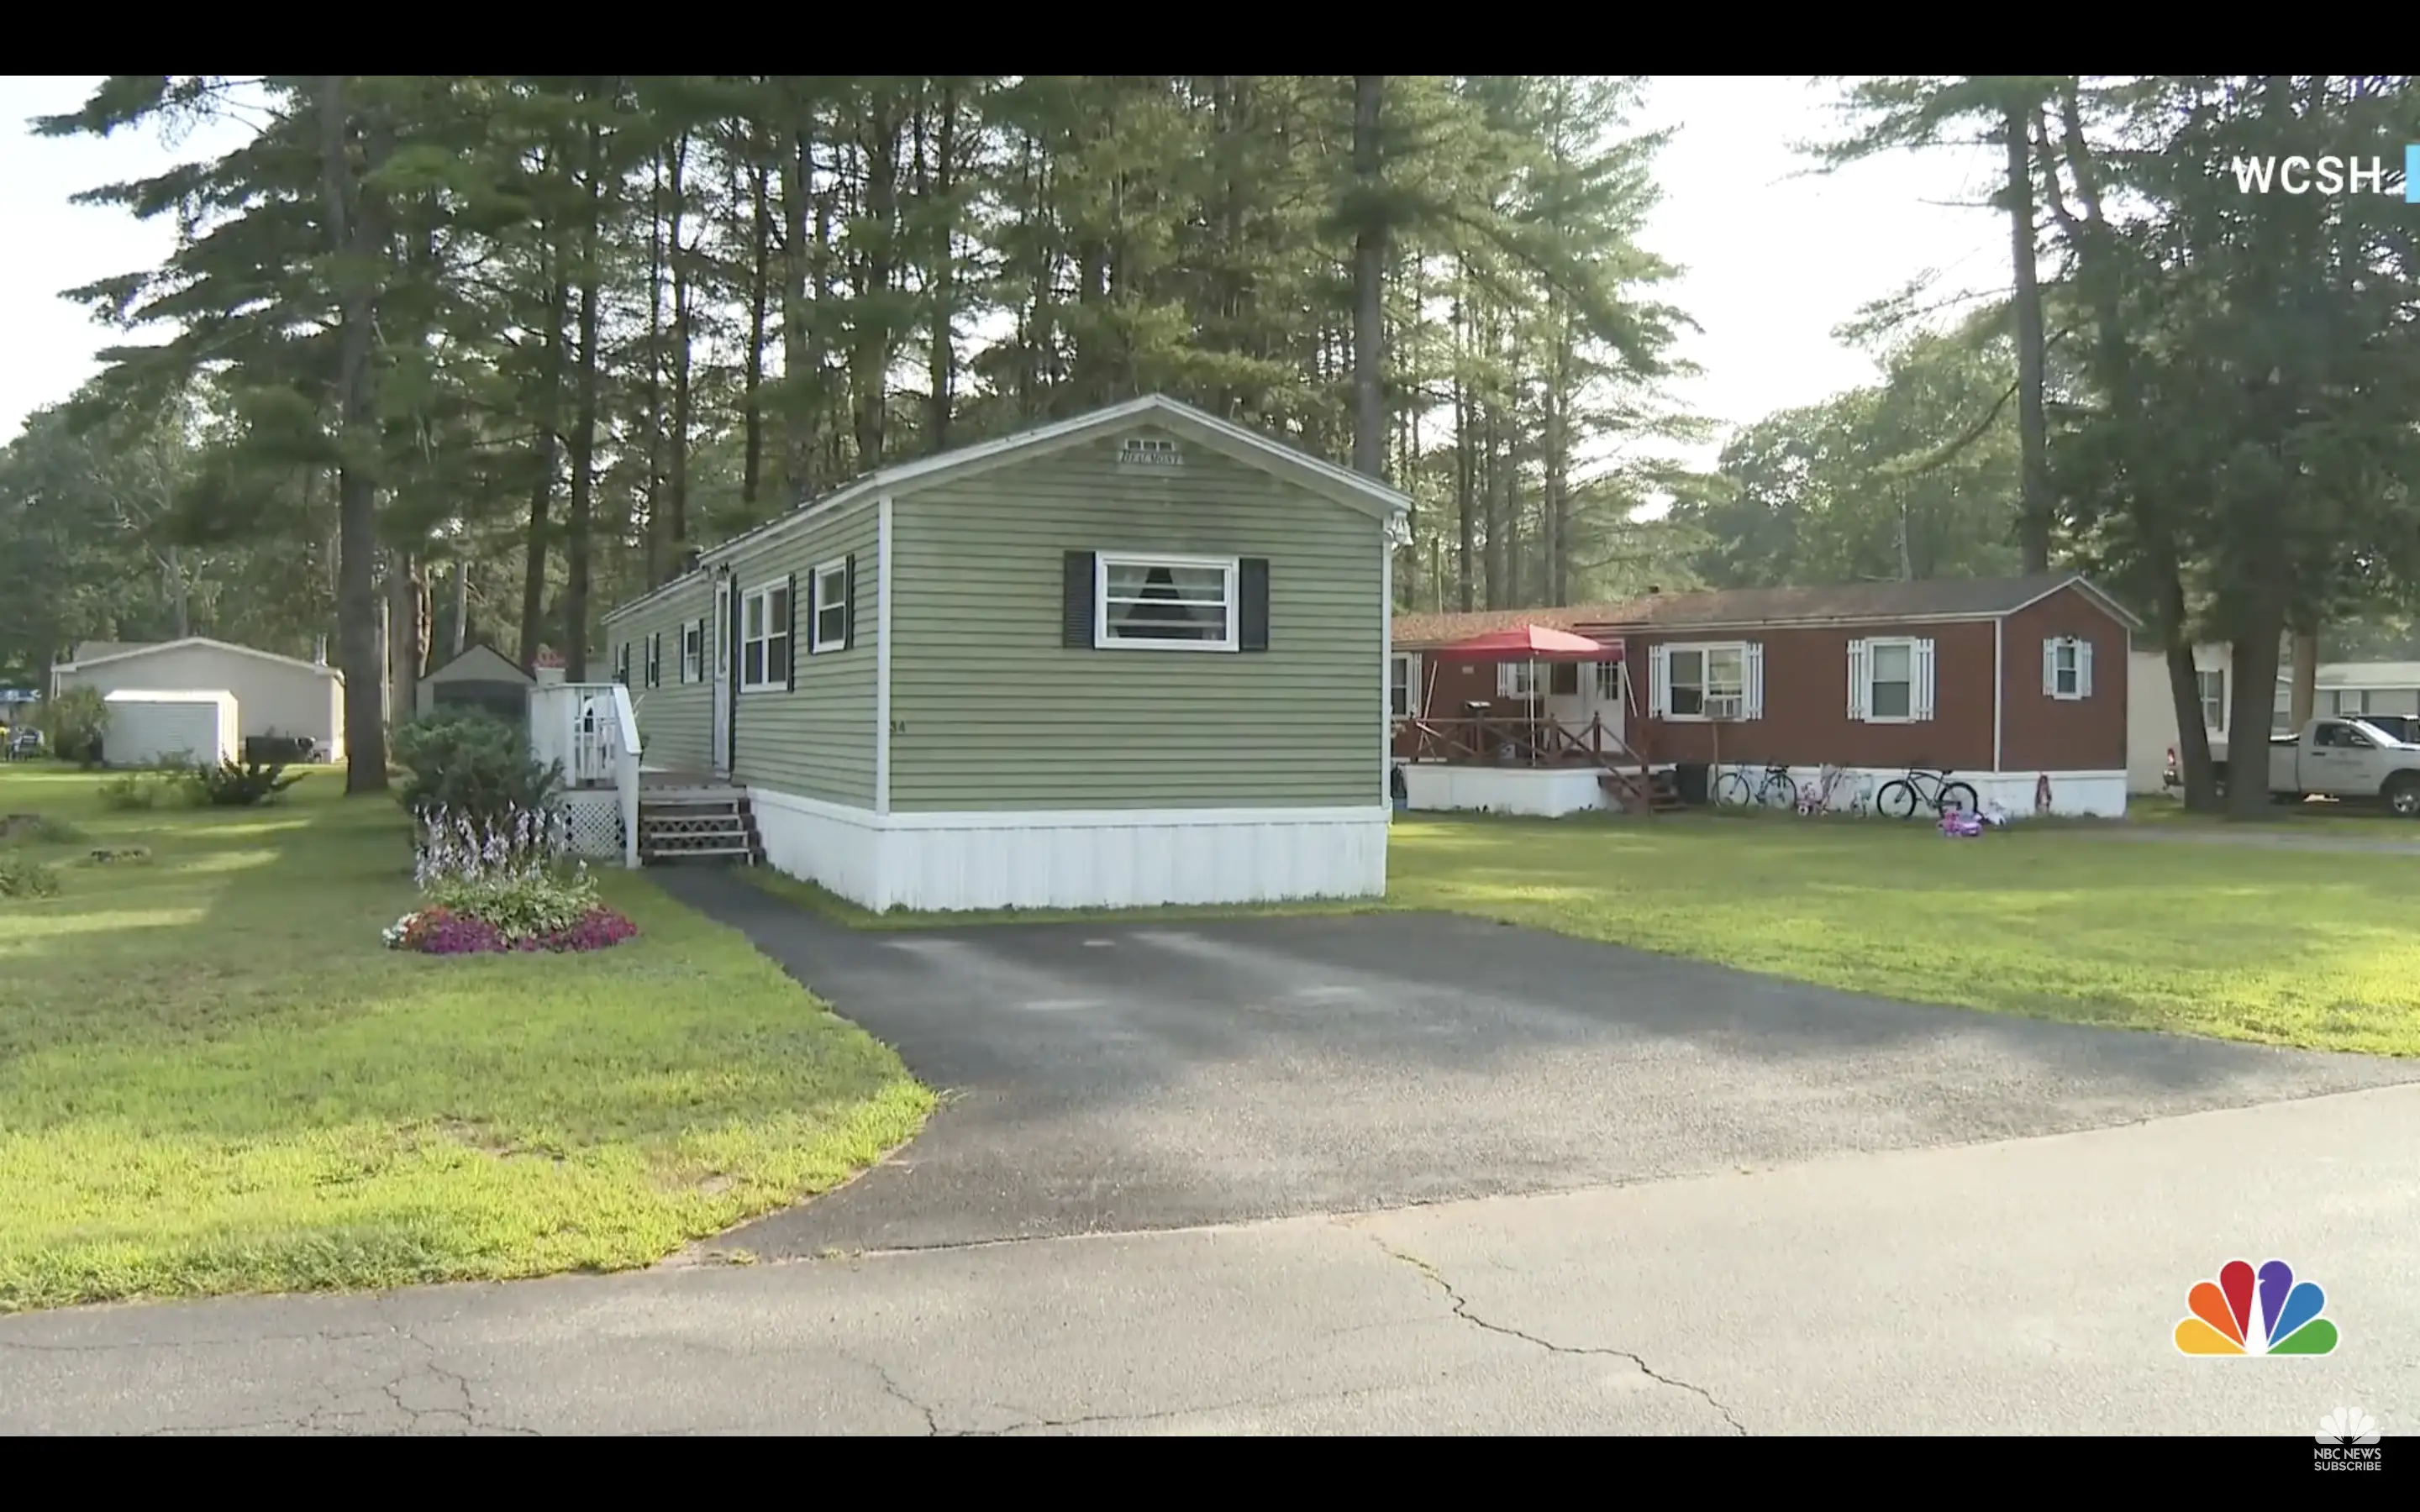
(1135, 657)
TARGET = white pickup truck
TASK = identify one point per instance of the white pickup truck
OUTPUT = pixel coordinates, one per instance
(2347, 759)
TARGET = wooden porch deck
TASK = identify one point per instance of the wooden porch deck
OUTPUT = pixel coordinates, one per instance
(1539, 741)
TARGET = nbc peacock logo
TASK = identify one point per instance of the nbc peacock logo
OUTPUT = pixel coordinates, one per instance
(2262, 1312)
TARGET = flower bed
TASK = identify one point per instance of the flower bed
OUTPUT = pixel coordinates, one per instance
(438, 930)
(502, 885)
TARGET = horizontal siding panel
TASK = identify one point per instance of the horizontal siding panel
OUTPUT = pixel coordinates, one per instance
(991, 711)
(817, 740)
(673, 718)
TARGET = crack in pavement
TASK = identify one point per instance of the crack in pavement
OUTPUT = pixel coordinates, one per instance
(1462, 1310)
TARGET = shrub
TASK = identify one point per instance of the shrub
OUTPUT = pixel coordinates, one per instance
(134, 790)
(38, 829)
(73, 722)
(472, 765)
(501, 884)
(245, 785)
(21, 876)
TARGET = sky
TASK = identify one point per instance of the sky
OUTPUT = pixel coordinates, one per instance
(1774, 258)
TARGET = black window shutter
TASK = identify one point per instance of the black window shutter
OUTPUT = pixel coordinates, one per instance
(790, 643)
(848, 626)
(1253, 604)
(1076, 613)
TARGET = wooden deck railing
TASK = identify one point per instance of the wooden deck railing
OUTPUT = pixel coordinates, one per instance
(1512, 740)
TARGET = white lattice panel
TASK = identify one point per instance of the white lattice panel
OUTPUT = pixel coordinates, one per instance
(596, 823)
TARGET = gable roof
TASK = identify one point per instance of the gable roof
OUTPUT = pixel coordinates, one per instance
(1931, 598)
(197, 641)
(473, 651)
(1221, 435)
(1868, 603)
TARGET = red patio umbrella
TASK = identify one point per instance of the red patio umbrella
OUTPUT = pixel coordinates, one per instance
(1530, 643)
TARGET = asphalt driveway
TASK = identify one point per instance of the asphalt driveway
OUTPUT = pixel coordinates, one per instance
(1119, 1077)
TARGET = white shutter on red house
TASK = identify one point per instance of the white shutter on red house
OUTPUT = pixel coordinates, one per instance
(1659, 682)
(1752, 681)
(1858, 656)
(2084, 669)
(1921, 703)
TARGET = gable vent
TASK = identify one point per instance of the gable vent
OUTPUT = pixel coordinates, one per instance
(1151, 451)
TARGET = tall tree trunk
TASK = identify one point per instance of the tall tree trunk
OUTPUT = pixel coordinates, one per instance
(547, 445)
(872, 342)
(942, 361)
(408, 632)
(652, 538)
(676, 458)
(800, 364)
(1465, 462)
(759, 278)
(461, 608)
(181, 598)
(358, 230)
(2303, 692)
(576, 545)
(1369, 278)
(2035, 507)
(1558, 463)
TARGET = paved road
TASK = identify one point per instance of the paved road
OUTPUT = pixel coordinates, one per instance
(2024, 1286)
(1114, 1078)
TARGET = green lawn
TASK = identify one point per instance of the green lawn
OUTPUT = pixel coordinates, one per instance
(213, 1077)
(2303, 948)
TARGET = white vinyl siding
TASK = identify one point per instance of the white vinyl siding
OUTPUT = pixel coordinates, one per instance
(1890, 680)
(1720, 680)
(2067, 668)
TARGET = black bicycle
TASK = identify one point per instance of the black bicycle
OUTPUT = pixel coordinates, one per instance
(1775, 791)
(1927, 788)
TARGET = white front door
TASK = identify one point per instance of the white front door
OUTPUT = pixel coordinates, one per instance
(722, 654)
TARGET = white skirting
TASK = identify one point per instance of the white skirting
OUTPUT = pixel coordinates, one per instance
(1073, 858)
(2072, 795)
(1550, 792)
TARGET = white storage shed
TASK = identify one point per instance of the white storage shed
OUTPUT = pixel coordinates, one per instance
(148, 726)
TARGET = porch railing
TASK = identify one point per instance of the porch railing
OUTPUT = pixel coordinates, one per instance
(593, 730)
(1530, 741)
(1512, 740)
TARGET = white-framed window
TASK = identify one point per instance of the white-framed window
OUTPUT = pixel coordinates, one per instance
(2067, 668)
(1402, 684)
(831, 607)
(1890, 680)
(655, 658)
(692, 652)
(1151, 451)
(1156, 603)
(1608, 682)
(765, 639)
(1716, 680)
(1523, 679)
(622, 664)
(2213, 687)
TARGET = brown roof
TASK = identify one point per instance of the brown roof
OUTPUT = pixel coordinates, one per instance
(1444, 629)
(1931, 598)
(1869, 602)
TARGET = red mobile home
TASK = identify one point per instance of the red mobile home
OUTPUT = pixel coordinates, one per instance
(2006, 682)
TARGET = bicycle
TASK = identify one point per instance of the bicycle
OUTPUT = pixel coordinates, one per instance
(1836, 790)
(1775, 792)
(1926, 787)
